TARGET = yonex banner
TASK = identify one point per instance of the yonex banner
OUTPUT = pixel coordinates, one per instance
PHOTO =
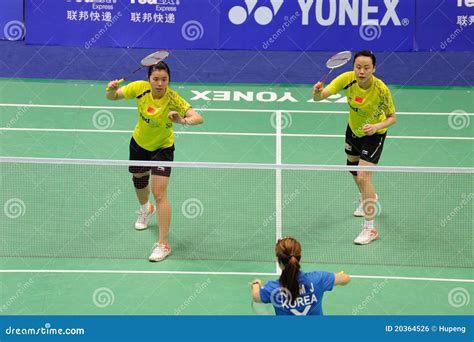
(123, 23)
(379, 25)
(11, 20)
(445, 25)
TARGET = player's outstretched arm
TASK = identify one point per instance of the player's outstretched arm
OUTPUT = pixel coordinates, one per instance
(341, 278)
(319, 92)
(113, 92)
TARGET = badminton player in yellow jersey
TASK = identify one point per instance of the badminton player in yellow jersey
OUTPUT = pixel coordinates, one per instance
(371, 111)
(153, 140)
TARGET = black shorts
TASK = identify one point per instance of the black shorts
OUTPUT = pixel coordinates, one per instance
(368, 148)
(139, 153)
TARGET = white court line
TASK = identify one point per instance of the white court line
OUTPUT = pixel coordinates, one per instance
(28, 105)
(388, 137)
(454, 280)
(230, 274)
(79, 130)
(76, 130)
(141, 272)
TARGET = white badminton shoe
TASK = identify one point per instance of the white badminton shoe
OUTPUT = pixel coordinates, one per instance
(144, 217)
(366, 236)
(159, 252)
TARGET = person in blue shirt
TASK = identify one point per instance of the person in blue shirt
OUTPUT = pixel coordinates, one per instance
(296, 292)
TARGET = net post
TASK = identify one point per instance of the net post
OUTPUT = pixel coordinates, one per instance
(278, 214)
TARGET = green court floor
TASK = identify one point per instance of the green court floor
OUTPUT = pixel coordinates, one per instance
(54, 261)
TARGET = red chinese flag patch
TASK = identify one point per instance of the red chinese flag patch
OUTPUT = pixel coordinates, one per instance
(359, 99)
(151, 110)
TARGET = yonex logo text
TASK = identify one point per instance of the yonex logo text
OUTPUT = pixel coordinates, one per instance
(326, 13)
(263, 15)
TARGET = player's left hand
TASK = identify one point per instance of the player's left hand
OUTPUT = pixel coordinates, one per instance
(369, 129)
(174, 116)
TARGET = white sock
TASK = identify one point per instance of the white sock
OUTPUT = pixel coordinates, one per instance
(145, 207)
(369, 224)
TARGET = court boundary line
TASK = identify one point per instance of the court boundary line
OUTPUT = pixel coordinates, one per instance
(29, 105)
(458, 280)
(293, 135)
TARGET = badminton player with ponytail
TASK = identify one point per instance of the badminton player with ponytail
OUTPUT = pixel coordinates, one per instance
(296, 292)
(371, 111)
(159, 107)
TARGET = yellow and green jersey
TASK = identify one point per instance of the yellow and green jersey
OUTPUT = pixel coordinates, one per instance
(154, 130)
(366, 106)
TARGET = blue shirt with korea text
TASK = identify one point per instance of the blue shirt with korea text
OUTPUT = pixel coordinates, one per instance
(309, 302)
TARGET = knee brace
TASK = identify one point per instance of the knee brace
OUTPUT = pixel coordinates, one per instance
(349, 163)
(140, 183)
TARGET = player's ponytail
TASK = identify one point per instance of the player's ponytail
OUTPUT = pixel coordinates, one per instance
(288, 252)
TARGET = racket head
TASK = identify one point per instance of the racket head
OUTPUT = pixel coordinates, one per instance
(154, 58)
(339, 59)
(262, 309)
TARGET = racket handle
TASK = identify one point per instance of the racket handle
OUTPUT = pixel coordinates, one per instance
(326, 76)
(116, 83)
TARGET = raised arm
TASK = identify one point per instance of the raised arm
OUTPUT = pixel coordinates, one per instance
(255, 286)
(320, 93)
(113, 92)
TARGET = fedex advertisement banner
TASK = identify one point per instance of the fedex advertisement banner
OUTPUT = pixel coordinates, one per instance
(123, 23)
(445, 25)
